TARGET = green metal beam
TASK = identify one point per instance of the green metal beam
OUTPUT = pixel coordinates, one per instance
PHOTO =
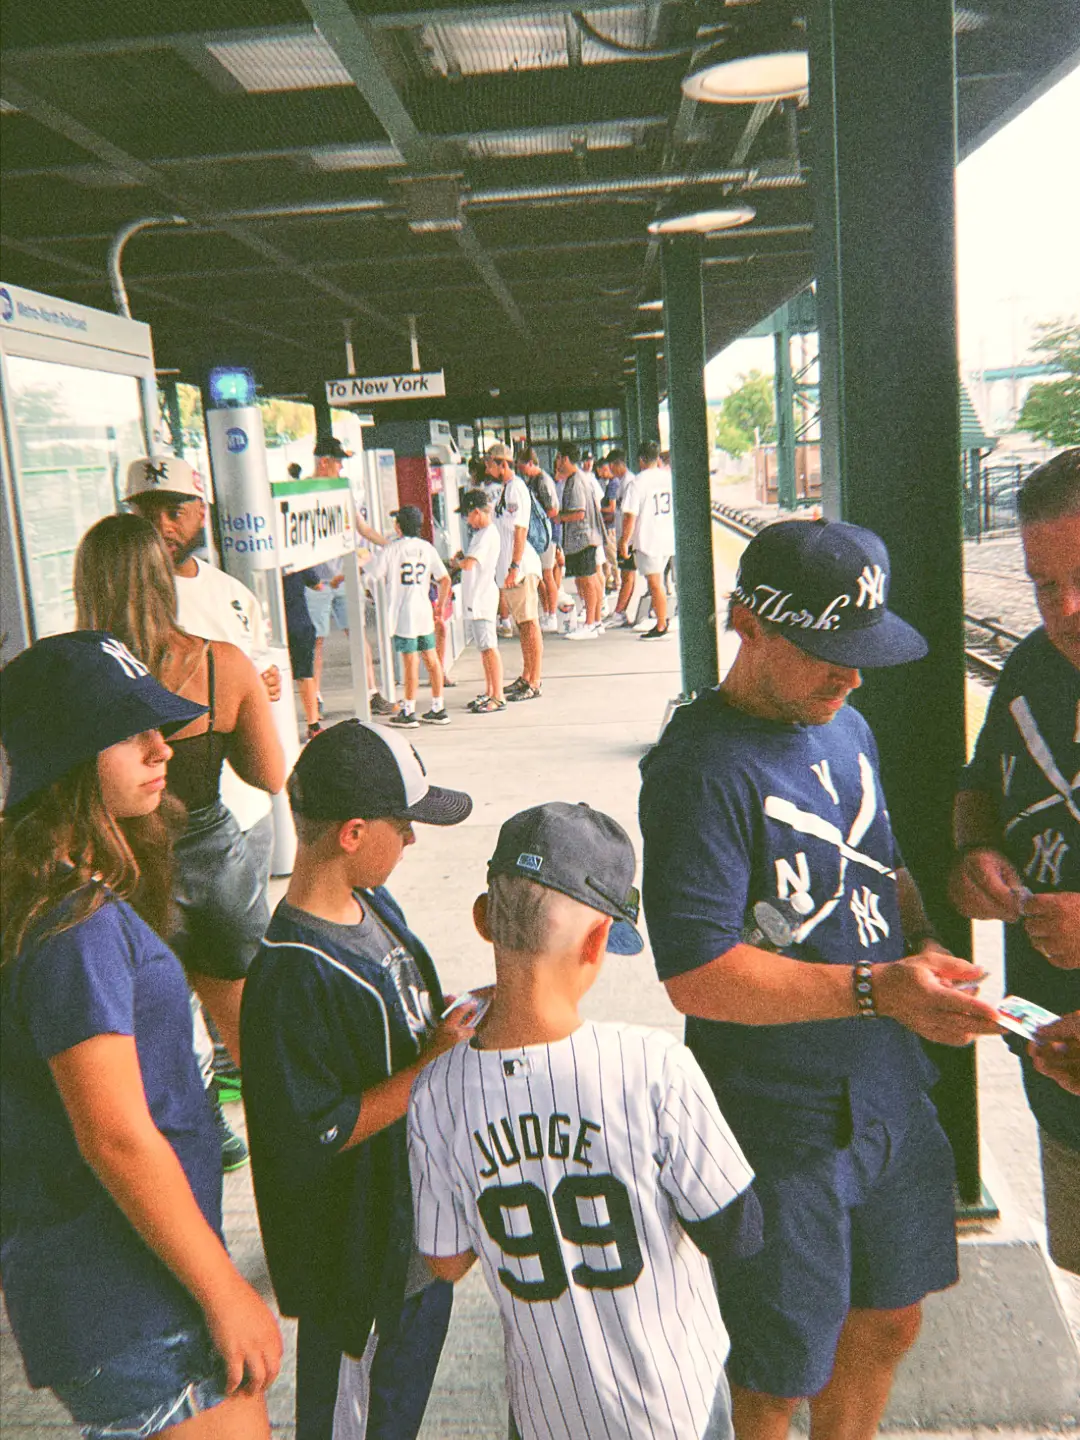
(884, 137)
(684, 348)
(785, 413)
(633, 428)
(648, 390)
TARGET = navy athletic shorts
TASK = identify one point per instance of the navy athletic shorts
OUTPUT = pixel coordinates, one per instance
(868, 1226)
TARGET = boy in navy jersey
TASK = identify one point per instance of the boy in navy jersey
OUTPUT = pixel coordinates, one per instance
(340, 1014)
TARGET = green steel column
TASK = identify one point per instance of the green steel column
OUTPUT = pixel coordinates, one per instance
(648, 390)
(882, 87)
(317, 398)
(785, 413)
(172, 405)
(684, 347)
(633, 429)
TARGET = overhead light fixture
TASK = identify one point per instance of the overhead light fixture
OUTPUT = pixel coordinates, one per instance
(651, 305)
(703, 222)
(648, 335)
(757, 65)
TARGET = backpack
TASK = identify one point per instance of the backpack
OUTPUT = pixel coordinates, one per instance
(539, 533)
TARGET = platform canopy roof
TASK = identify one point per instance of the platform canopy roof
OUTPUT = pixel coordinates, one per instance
(490, 168)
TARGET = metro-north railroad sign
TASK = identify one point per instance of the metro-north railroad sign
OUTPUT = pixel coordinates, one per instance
(365, 389)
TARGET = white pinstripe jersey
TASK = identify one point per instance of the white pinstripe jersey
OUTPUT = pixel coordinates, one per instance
(565, 1167)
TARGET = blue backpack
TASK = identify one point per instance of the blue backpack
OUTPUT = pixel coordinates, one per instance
(540, 532)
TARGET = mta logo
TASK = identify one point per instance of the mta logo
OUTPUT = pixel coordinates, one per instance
(7, 305)
(236, 440)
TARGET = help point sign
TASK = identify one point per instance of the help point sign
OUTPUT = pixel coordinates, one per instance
(405, 385)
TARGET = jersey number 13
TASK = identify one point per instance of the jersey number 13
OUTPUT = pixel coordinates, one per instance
(542, 1240)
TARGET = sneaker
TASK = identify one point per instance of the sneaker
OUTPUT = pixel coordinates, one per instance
(449, 683)
(226, 1079)
(549, 624)
(488, 706)
(407, 721)
(435, 717)
(616, 620)
(656, 633)
(381, 706)
(319, 702)
(313, 730)
(505, 628)
(586, 632)
(530, 692)
(234, 1153)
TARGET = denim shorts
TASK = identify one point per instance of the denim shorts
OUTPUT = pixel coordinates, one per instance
(148, 1389)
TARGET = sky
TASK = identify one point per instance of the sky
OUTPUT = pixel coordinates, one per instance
(1018, 241)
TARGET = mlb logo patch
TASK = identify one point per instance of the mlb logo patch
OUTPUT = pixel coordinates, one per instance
(530, 862)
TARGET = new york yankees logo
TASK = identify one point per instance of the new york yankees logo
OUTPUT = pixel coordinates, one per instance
(132, 667)
(873, 926)
(1048, 852)
(871, 588)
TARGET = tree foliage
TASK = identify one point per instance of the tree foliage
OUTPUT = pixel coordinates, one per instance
(1051, 411)
(747, 415)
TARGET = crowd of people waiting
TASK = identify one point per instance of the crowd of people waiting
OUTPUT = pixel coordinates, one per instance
(625, 1226)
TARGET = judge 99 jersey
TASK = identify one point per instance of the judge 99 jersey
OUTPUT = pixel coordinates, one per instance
(566, 1167)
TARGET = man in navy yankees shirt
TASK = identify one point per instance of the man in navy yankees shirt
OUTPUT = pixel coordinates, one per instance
(1018, 831)
(764, 789)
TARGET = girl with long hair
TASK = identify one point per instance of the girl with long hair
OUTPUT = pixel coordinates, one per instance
(124, 584)
(122, 1297)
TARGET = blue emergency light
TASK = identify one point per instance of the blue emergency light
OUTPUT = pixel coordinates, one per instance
(231, 387)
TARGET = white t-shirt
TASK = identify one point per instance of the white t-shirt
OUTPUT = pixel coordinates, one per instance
(217, 606)
(479, 592)
(649, 498)
(589, 1150)
(512, 511)
(624, 484)
(407, 567)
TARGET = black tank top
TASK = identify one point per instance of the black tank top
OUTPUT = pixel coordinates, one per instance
(195, 768)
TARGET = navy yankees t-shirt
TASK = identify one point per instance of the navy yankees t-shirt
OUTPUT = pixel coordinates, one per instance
(1028, 759)
(736, 809)
(81, 1285)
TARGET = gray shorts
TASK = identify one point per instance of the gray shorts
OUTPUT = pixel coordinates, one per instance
(483, 634)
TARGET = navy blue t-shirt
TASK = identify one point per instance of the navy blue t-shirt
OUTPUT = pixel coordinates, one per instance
(736, 809)
(81, 1286)
(1027, 759)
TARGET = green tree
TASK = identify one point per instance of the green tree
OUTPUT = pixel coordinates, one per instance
(747, 414)
(1051, 411)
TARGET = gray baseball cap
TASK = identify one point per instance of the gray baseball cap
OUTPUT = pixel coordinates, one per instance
(580, 852)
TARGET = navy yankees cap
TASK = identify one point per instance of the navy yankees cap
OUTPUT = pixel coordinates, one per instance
(826, 584)
(68, 697)
(474, 500)
(410, 519)
(580, 852)
(355, 771)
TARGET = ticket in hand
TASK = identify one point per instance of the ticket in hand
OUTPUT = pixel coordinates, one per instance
(1024, 1017)
(481, 1002)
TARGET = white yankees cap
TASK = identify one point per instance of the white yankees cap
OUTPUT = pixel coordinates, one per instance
(355, 771)
(163, 474)
(826, 584)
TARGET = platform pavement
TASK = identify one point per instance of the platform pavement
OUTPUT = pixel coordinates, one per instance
(602, 706)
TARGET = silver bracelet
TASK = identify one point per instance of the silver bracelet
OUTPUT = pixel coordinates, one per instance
(862, 983)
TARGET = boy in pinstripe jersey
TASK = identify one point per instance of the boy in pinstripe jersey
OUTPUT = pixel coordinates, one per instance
(586, 1165)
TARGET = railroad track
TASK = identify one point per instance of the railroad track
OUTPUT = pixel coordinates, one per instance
(983, 657)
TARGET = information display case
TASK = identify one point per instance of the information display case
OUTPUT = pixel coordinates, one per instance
(72, 385)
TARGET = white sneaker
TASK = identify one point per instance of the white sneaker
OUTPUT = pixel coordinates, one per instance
(646, 624)
(586, 632)
(505, 629)
(616, 620)
(549, 624)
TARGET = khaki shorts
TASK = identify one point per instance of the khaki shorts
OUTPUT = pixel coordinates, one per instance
(1061, 1193)
(521, 599)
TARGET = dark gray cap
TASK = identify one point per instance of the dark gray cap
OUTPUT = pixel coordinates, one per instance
(580, 852)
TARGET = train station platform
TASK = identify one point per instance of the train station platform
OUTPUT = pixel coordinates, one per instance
(997, 1355)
